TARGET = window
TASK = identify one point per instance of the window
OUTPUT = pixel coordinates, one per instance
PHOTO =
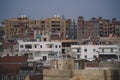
(111, 50)
(102, 50)
(20, 78)
(50, 46)
(55, 46)
(16, 54)
(44, 39)
(40, 46)
(85, 56)
(85, 50)
(78, 50)
(94, 56)
(59, 46)
(14, 78)
(28, 46)
(7, 54)
(78, 56)
(82, 32)
(9, 76)
(35, 46)
(94, 50)
(44, 58)
(30, 56)
(21, 46)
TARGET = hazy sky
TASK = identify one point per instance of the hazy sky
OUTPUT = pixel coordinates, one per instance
(69, 8)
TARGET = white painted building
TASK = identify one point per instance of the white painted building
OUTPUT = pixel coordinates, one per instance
(90, 52)
(41, 50)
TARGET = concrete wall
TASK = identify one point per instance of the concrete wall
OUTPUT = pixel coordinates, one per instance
(88, 74)
(51, 74)
(62, 64)
(112, 74)
(65, 64)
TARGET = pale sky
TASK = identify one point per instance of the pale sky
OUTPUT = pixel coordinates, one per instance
(69, 8)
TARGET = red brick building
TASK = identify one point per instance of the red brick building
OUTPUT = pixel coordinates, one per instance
(87, 29)
(10, 66)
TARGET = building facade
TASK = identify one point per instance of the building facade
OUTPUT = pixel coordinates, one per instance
(106, 28)
(117, 27)
(17, 28)
(71, 32)
(97, 27)
(10, 67)
(87, 29)
(41, 50)
(23, 27)
(91, 52)
(57, 26)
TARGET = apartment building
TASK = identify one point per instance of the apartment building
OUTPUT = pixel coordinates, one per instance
(17, 28)
(106, 28)
(57, 26)
(88, 28)
(91, 52)
(109, 28)
(10, 67)
(71, 32)
(23, 27)
(97, 27)
(117, 27)
(41, 50)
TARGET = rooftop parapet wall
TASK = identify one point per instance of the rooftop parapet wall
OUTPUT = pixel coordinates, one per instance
(98, 74)
(52, 74)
